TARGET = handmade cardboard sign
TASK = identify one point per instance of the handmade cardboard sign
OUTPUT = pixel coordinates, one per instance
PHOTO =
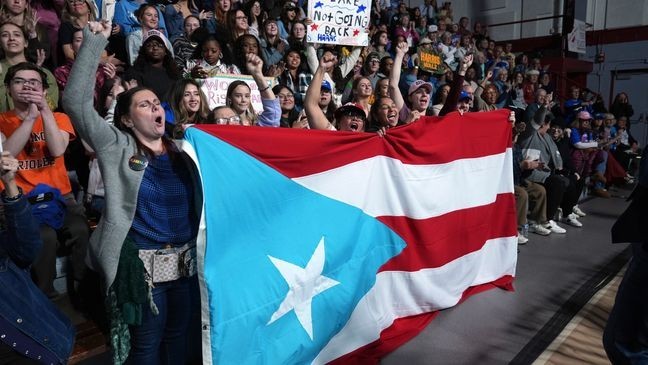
(215, 89)
(339, 22)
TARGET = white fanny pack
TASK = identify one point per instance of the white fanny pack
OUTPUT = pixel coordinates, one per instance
(167, 264)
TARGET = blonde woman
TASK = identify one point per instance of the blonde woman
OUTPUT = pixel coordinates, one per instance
(75, 15)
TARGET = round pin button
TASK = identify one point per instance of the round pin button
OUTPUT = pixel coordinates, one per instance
(138, 162)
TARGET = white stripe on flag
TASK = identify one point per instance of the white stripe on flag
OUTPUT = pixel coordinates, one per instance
(398, 294)
(415, 191)
(201, 241)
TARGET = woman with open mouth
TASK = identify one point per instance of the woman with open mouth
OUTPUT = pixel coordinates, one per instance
(152, 208)
(349, 117)
(383, 114)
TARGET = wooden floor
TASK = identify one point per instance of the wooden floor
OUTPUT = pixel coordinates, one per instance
(580, 341)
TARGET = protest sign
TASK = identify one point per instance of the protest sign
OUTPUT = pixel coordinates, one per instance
(339, 22)
(428, 60)
(576, 38)
(215, 89)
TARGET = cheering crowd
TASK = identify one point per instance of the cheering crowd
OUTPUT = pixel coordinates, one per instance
(104, 101)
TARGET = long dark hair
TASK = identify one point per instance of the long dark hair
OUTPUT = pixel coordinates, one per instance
(239, 52)
(175, 96)
(264, 35)
(247, 9)
(373, 115)
(122, 109)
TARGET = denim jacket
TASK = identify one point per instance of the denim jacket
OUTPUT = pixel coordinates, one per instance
(21, 302)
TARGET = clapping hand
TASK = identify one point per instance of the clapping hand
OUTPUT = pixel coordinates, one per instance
(8, 167)
(40, 57)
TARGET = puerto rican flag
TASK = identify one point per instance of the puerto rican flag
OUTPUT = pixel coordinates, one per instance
(323, 246)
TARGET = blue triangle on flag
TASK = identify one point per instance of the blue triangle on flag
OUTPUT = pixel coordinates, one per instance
(253, 213)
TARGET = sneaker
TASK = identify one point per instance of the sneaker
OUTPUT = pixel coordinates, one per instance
(572, 220)
(554, 227)
(539, 229)
(578, 211)
(521, 239)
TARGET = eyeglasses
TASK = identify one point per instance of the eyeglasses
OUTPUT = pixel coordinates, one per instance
(152, 45)
(286, 96)
(234, 119)
(375, 61)
(19, 81)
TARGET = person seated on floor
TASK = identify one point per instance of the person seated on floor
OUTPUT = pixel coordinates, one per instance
(33, 329)
(585, 150)
(530, 198)
(615, 174)
(39, 137)
(627, 147)
(560, 184)
(561, 138)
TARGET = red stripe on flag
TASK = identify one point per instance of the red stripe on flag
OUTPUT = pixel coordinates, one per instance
(404, 329)
(434, 242)
(297, 153)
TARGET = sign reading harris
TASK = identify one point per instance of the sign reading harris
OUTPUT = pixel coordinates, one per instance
(428, 60)
(339, 22)
(215, 89)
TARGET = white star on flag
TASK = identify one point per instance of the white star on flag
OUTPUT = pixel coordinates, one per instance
(303, 284)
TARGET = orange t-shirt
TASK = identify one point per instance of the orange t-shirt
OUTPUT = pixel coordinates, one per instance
(35, 165)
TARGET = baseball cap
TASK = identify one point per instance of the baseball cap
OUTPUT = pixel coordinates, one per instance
(326, 86)
(350, 109)
(419, 84)
(154, 33)
(464, 95)
(584, 115)
(425, 40)
(373, 55)
(433, 28)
